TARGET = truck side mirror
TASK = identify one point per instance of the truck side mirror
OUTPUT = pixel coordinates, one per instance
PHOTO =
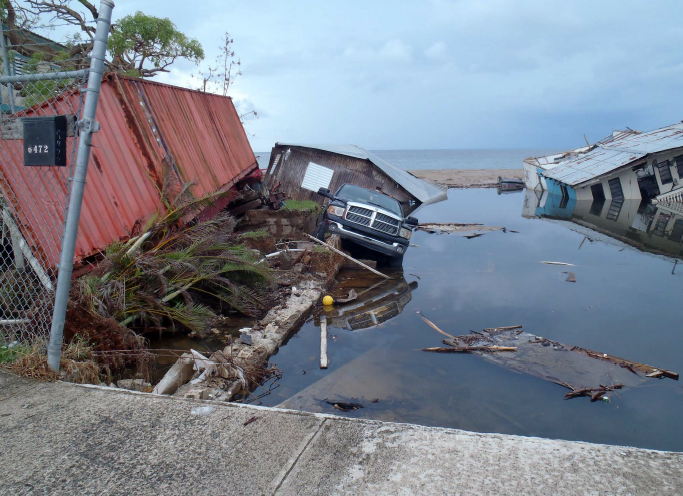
(411, 221)
(325, 192)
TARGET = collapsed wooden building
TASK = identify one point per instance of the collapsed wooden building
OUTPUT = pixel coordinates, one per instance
(298, 171)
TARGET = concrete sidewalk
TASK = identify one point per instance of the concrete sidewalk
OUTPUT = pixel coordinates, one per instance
(60, 438)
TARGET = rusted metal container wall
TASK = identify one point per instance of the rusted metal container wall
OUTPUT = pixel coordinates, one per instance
(290, 173)
(195, 136)
(199, 135)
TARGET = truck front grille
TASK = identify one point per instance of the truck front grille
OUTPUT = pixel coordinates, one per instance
(359, 215)
(382, 223)
(385, 224)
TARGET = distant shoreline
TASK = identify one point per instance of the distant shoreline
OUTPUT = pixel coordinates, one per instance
(467, 178)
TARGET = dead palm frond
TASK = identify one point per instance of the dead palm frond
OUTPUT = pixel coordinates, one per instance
(179, 277)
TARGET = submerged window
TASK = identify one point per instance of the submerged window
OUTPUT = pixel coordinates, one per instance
(665, 172)
(596, 207)
(598, 192)
(614, 209)
(679, 165)
(677, 232)
(660, 226)
(565, 196)
(615, 189)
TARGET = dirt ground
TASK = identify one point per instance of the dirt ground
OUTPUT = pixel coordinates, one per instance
(468, 178)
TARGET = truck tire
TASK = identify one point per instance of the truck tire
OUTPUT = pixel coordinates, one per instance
(396, 261)
(319, 232)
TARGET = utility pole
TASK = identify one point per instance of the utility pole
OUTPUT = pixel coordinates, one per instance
(87, 126)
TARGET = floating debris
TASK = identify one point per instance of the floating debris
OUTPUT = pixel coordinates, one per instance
(454, 227)
(469, 349)
(583, 371)
(434, 326)
(351, 297)
(344, 406)
(570, 277)
(558, 263)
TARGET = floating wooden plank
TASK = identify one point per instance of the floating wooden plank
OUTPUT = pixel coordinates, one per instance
(433, 325)
(339, 252)
(469, 349)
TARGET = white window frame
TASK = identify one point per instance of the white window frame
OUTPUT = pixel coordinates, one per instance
(317, 177)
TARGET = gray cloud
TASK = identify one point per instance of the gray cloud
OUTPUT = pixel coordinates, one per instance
(443, 74)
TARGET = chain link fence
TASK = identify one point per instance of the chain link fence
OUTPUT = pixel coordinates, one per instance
(33, 199)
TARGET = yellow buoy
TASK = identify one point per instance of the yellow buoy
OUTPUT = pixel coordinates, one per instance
(327, 300)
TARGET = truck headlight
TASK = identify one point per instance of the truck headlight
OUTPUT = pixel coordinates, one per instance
(405, 233)
(338, 211)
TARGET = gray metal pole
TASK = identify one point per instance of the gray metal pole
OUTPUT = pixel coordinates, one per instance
(87, 126)
(25, 78)
(5, 59)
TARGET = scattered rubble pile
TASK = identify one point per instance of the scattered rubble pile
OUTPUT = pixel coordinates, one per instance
(584, 372)
(303, 272)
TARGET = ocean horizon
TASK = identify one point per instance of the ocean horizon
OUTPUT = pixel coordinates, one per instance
(501, 158)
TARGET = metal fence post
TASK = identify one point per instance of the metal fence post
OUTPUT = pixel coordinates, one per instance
(5, 60)
(87, 126)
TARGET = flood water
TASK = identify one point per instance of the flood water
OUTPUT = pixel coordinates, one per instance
(624, 302)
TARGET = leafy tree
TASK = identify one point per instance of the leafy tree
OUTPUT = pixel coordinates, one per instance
(139, 39)
(140, 44)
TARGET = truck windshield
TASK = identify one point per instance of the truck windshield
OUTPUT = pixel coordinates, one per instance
(363, 195)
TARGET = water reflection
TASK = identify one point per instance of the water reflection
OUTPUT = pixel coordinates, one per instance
(497, 280)
(648, 227)
(379, 300)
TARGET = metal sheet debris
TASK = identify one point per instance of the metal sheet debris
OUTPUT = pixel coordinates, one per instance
(614, 152)
(585, 372)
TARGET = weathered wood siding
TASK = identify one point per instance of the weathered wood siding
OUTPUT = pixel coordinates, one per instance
(290, 171)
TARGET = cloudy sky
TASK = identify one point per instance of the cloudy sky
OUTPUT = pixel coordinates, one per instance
(439, 73)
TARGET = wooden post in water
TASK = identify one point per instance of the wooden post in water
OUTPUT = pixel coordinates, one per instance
(323, 342)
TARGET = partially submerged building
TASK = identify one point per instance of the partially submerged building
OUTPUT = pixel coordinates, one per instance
(299, 170)
(651, 228)
(626, 165)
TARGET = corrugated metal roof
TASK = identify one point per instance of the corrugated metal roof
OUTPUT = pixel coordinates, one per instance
(615, 152)
(150, 132)
(422, 190)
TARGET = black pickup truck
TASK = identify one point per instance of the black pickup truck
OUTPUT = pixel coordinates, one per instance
(369, 218)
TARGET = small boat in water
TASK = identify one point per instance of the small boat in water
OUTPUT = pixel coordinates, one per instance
(510, 184)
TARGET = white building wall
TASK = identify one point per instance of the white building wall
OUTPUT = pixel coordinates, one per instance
(661, 157)
(530, 177)
(629, 185)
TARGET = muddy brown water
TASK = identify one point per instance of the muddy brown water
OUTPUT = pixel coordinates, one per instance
(624, 302)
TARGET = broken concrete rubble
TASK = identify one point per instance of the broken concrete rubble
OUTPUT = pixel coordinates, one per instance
(280, 224)
(181, 372)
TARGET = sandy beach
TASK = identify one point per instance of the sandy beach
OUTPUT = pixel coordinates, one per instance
(468, 178)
